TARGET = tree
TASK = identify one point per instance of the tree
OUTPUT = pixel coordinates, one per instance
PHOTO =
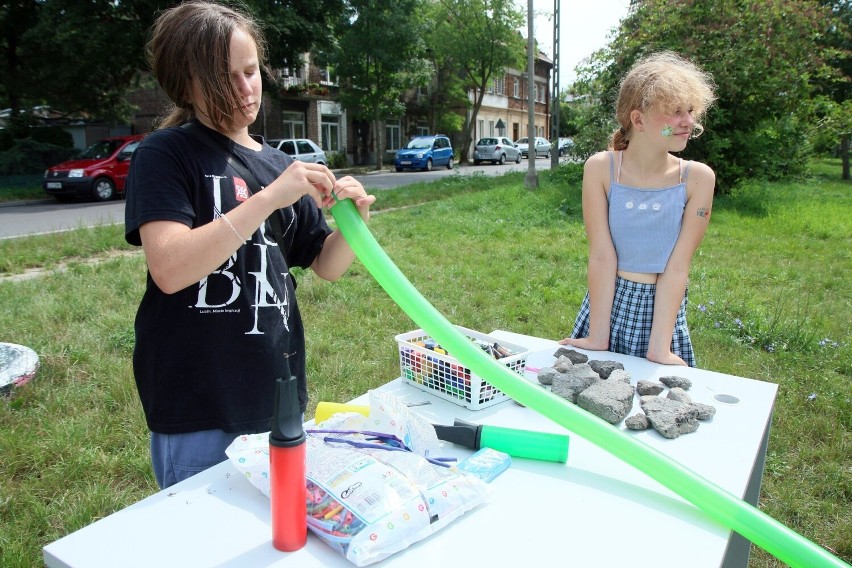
(294, 27)
(479, 38)
(378, 55)
(764, 56)
(77, 57)
(83, 57)
(834, 104)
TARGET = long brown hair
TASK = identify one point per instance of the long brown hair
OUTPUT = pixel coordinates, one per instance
(663, 81)
(192, 40)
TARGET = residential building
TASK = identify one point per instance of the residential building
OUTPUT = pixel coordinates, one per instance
(304, 106)
(505, 107)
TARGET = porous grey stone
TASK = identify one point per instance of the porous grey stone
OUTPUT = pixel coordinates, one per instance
(581, 370)
(679, 395)
(674, 381)
(619, 375)
(638, 421)
(604, 368)
(563, 364)
(669, 417)
(569, 385)
(705, 411)
(546, 375)
(645, 398)
(574, 356)
(609, 400)
(649, 388)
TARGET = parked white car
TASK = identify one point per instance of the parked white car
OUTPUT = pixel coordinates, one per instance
(300, 149)
(542, 147)
(497, 150)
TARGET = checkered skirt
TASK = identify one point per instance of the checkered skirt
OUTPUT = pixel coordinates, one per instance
(631, 319)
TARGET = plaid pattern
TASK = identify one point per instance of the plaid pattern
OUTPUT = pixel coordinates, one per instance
(631, 319)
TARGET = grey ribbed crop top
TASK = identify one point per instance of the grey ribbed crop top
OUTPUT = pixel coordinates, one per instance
(644, 223)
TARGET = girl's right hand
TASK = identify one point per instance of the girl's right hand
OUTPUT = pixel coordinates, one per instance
(301, 178)
(583, 343)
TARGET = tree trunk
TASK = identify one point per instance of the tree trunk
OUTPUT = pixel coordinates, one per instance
(467, 138)
(844, 156)
(378, 147)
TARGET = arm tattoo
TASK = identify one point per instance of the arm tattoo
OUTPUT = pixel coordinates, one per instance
(704, 212)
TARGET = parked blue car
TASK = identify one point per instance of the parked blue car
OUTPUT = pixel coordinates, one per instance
(424, 153)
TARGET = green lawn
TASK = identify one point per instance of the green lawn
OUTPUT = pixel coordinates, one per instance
(769, 299)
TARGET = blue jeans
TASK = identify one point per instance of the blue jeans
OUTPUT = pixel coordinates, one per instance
(176, 457)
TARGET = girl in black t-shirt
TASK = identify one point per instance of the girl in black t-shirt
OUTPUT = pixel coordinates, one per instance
(219, 323)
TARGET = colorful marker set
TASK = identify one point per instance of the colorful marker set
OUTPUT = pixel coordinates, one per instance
(424, 363)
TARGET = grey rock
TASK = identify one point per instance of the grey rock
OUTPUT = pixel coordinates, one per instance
(570, 385)
(574, 356)
(563, 364)
(669, 417)
(673, 381)
(678, 394)
(649, 388)
(645, 398)
(604, 368)
(582, 370)
(638, 421)
(705, 411)
(546, 375)
(609, 400)
(619, 375)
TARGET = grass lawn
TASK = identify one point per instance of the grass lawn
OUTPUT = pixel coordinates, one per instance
(769, 300)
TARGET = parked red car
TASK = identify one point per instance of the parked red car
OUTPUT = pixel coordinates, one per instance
(99, 172)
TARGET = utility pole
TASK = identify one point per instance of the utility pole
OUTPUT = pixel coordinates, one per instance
(531, 179)
(554, 100)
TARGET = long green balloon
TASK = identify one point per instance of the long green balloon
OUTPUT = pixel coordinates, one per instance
(732, 512)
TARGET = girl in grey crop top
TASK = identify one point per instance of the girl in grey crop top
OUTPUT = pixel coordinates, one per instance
(644, 223)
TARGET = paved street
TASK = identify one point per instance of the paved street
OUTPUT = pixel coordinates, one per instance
(49, 216)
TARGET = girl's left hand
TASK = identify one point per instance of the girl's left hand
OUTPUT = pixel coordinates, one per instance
(667, 358)
(349, 187)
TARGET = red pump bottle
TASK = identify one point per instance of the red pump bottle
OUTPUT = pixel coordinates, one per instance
(287, 475)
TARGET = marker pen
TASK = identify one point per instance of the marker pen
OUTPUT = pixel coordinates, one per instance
(287, 474)
(517, 443)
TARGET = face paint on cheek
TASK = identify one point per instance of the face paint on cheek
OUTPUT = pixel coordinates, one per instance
(667, 131)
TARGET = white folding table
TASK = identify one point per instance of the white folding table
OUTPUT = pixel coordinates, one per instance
(594, 510)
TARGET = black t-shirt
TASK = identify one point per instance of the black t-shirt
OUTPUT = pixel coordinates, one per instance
(208, 356)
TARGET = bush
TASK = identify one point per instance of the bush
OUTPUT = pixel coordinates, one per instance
(30, 157)
(6, 140)
(337, 160)
(52, 135)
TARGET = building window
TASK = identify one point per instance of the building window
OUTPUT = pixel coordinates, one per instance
(422, 128)
(327, 76)
(499, 84)
(517, 91)
(293, 124)
(330, 138)
(392, 135)
(491, 128)
(480, 125)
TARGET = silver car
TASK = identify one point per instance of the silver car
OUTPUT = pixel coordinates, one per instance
(542, 147)
(300, 149)
(497, 150)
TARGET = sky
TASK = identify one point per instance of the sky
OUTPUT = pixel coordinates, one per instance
(584, 26)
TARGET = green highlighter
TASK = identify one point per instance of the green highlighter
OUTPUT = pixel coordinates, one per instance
(517, 443)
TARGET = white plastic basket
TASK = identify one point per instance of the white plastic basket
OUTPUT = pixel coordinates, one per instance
(439, 373)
